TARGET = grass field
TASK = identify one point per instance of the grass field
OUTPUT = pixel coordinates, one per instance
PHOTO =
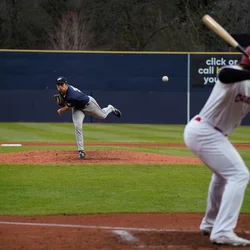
(80, 189)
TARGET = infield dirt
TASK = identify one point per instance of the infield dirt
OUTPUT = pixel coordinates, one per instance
(107, 231)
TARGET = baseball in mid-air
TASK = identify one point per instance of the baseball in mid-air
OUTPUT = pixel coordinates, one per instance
(164, 78)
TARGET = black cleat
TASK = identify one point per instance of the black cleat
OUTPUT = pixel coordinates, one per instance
(82, 155)
(117, 113)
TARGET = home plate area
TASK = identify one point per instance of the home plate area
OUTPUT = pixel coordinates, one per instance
(162, 239)
(168, 240)
(110, 231)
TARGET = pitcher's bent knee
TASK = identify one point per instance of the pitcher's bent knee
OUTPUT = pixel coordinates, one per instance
(102, 117)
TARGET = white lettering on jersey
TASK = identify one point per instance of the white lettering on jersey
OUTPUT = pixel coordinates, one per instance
(75, 89)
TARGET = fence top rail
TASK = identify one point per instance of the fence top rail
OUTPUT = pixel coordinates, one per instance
(113, 52)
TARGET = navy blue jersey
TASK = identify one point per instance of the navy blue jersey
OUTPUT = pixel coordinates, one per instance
(75, 98)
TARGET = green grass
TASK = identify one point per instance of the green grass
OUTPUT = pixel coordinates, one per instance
(56, 132)
(34, 190)
(37, 190)
(81, 189)
(161, 150)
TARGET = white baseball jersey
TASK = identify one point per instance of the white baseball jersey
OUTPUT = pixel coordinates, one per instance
(227, 105)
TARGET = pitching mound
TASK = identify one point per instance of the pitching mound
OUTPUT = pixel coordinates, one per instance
(93, 157)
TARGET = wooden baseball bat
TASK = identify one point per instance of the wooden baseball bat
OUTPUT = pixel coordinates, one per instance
(220, 31)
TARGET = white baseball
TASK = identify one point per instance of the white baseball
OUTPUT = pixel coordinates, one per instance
(164, 78)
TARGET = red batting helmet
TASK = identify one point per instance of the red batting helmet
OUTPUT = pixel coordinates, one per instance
(244, 59)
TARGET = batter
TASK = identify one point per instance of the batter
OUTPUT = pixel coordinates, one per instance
(81, 105)
(206, 136)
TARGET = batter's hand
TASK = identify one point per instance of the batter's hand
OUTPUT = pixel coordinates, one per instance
(60, 111)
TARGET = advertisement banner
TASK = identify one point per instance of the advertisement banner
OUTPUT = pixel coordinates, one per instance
(204, 67)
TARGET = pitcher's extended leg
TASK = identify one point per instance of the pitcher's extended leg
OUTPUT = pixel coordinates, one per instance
(78, 117)
(96, 111)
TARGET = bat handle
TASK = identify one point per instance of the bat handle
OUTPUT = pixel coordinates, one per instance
(242, 50)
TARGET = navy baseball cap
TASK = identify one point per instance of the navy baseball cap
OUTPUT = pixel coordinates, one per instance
(61, 79)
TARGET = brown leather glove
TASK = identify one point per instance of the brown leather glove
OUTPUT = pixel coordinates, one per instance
(59, 99)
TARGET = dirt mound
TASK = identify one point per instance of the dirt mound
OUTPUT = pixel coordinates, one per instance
(93, 157)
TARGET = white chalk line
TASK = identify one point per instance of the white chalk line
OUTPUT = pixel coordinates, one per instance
(98, 227)
(126, 236)
(132, 240)
(120, 231)
(92, 227)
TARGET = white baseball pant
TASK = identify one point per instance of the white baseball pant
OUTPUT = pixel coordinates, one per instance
(229, 180)
(78, 116)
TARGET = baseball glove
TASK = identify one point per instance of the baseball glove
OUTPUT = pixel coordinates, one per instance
(59, 99)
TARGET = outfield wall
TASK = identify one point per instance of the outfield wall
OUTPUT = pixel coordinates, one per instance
(130, 81)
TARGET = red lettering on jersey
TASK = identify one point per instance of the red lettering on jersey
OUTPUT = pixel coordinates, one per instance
(242, 98)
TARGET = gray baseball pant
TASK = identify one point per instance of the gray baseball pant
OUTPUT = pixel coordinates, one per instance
(78, 115)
